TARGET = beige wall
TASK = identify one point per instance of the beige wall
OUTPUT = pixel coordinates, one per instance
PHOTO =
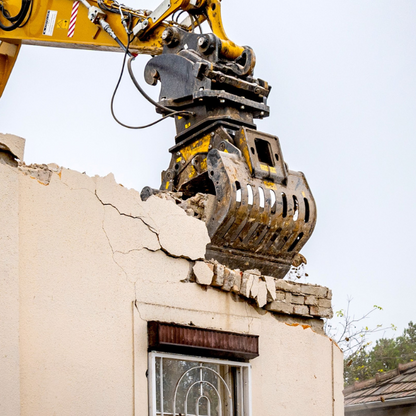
(85, 265)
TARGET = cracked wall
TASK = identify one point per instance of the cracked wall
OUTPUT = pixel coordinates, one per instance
(86, 264)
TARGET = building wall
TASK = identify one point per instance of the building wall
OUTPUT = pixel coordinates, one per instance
(85, 264)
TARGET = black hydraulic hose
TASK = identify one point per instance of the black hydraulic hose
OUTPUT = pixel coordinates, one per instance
(172, 113)
(15, 20)
(148, 98)
(28, 16)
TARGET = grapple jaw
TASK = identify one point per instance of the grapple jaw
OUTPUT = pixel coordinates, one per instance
(263, 214)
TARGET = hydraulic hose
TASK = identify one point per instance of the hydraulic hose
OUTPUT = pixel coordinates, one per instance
(15, 20)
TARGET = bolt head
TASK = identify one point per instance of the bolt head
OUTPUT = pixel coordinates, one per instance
(202, 42)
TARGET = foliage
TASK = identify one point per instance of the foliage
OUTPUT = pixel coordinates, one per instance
(386, 355)
(350, 333)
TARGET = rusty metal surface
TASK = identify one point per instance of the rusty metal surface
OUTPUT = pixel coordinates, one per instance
(264, 230)
(199, 341)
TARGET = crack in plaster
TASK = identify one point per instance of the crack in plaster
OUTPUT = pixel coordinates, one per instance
(127, 215)
(111, 247)
(163, 249)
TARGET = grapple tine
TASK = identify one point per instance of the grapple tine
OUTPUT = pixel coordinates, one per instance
(257, 223)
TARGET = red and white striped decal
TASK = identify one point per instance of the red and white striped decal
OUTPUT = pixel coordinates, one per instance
(74, 14)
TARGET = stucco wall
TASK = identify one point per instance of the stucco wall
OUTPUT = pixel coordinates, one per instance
(86, 264)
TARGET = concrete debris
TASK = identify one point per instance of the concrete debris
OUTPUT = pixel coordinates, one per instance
(254, 291)
(228, 280)
(12, 144)
(301, 300)
(261, 297)
(236, 277)
(203, 273)
(298, 260)
(199, 206)
(255, 272)
(271, 288)
(42, 173)
(246, 283)
(219, 275)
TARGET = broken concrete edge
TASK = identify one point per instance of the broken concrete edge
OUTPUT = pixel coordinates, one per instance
(274, 295)
(178, 234)
(300, 301)
(12, 144)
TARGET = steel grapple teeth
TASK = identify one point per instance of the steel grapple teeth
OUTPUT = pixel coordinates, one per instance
(257, 223)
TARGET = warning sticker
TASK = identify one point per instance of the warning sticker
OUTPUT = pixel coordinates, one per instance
(62, 24)
(49, 22)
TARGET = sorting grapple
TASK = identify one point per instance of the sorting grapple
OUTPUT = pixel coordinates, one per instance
(262, 213)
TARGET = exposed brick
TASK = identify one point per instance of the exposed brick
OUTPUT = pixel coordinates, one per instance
(246, 283)
(237, 281)
(228, 280)
(321, 312)
(280, 295)
(318, 291)
(280, 307)
(287, 286)
(325, 303)
(218, 275)
(329, 294)
(203, 273)
(262, 294)
(301, 310)
(295, 299)
(256, 272)
(311, 300)
(254, 287)
(271, 288)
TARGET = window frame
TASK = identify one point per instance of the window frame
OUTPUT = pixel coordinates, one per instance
(245, 390)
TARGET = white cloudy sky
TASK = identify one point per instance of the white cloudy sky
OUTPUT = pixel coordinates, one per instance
(343, 105)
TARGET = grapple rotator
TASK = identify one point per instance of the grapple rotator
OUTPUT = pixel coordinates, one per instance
(262, 213)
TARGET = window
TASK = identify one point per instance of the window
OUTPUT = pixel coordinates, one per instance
(182, 385)
(194, 371)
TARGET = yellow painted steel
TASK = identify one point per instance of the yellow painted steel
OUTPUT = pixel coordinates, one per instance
(228, 48)
(86, 34)
(200, 146)
(8, 55)
(89, 36)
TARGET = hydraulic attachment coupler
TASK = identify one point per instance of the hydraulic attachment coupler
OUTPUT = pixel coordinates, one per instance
(260, 213)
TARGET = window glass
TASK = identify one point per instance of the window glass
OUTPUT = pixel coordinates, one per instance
(191, 386)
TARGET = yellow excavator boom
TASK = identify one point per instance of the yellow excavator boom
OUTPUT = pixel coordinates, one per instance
(87, 25)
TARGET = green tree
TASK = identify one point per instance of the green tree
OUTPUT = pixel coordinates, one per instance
(385, 355)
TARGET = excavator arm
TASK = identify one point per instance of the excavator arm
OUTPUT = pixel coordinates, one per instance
(102, 25)
(259, 214)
